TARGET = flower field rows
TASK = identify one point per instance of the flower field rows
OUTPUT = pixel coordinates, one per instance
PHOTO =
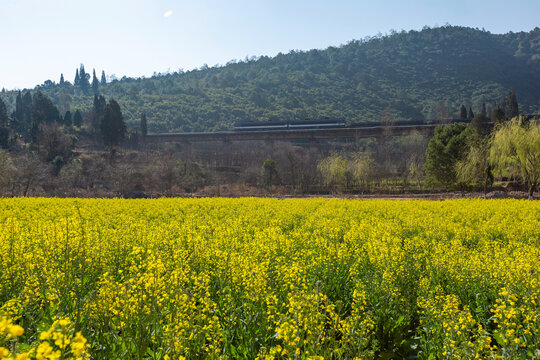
(269, 279)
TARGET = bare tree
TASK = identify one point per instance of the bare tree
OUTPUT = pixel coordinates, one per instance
(7, 173)
(31, 173)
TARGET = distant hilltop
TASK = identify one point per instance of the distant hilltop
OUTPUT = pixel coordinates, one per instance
(405, 76)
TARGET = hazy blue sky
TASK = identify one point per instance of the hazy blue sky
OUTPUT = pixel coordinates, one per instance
(39, 39)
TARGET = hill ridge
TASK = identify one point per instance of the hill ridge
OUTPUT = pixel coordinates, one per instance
(414, 75)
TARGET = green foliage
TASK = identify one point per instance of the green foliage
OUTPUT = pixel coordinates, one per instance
(4, 120)
(68, 121)
(480, 123)
(406, 75)
(445, 149)
(463, 112)
(497, 115)
(95, 83)
(77, 118)
(335, 171)
(43, 109)
(475, 166)
(113, 128)
(470, 115)
(512, 109)
(516, 151)
(270, 174)
(84, 81)
(4, 137)
(77, 79)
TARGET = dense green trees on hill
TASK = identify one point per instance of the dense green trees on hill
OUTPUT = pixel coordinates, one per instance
(415, 75)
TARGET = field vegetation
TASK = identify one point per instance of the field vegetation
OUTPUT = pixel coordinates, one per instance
(269, 279)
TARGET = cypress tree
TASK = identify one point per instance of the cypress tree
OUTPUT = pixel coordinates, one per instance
(480, 124)
(95, 83)
(496, 115)
(484, 111)
(77, 80)
(99, 105)
(471, 114)
(43, 109)
(463, 112)
(513, 109)
(4, 120)
(77, 118)
(113, 127)
(84, 80)
(19, 108)
(103, 78)
(23, 112)
(62, 81)
(504, 106)
(67, 119)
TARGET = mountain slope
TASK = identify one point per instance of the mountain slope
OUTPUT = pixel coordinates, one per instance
(407, 76)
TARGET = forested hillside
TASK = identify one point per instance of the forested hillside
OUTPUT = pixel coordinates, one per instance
(415, 75)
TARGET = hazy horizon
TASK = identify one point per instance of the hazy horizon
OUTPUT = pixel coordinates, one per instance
(41, 40)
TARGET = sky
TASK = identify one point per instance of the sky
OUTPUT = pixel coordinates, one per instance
(40, 39)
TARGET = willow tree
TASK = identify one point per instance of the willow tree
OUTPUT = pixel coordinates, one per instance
(515, 150)
(475, 166)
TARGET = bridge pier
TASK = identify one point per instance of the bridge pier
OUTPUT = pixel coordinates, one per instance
(188, 149)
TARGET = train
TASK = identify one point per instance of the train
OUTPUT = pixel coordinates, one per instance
(288, 125)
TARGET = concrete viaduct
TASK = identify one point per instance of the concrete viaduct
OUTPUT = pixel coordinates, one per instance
(313, 136)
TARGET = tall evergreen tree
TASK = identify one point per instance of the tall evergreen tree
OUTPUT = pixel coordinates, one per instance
(77, 118)
(513, 109)
(496, 115)
(84, 82)
(23, 112)
(62, 81)
(471, 114)
(144, 125)
(484, 111)
(480, 124)
(77, 80)
(4, 123)
(99, 105)
(103, 78)
(463, 112)
(4, 120)
(504, 106)
(95, 83)
(113, 127)
(446, 147)
(43, 111)
(68, 121)
(18, 107)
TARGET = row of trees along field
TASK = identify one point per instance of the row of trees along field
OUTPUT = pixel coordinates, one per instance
(38, 122)
(457, 155)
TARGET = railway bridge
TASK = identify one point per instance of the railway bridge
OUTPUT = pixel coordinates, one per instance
(313, 136)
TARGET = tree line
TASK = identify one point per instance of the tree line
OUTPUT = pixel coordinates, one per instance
(404, 75)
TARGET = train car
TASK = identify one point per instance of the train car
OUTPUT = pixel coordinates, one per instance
(260, 125)
(316, 124)
(288, 125)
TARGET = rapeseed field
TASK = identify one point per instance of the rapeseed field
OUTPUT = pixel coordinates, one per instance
(269, 279)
